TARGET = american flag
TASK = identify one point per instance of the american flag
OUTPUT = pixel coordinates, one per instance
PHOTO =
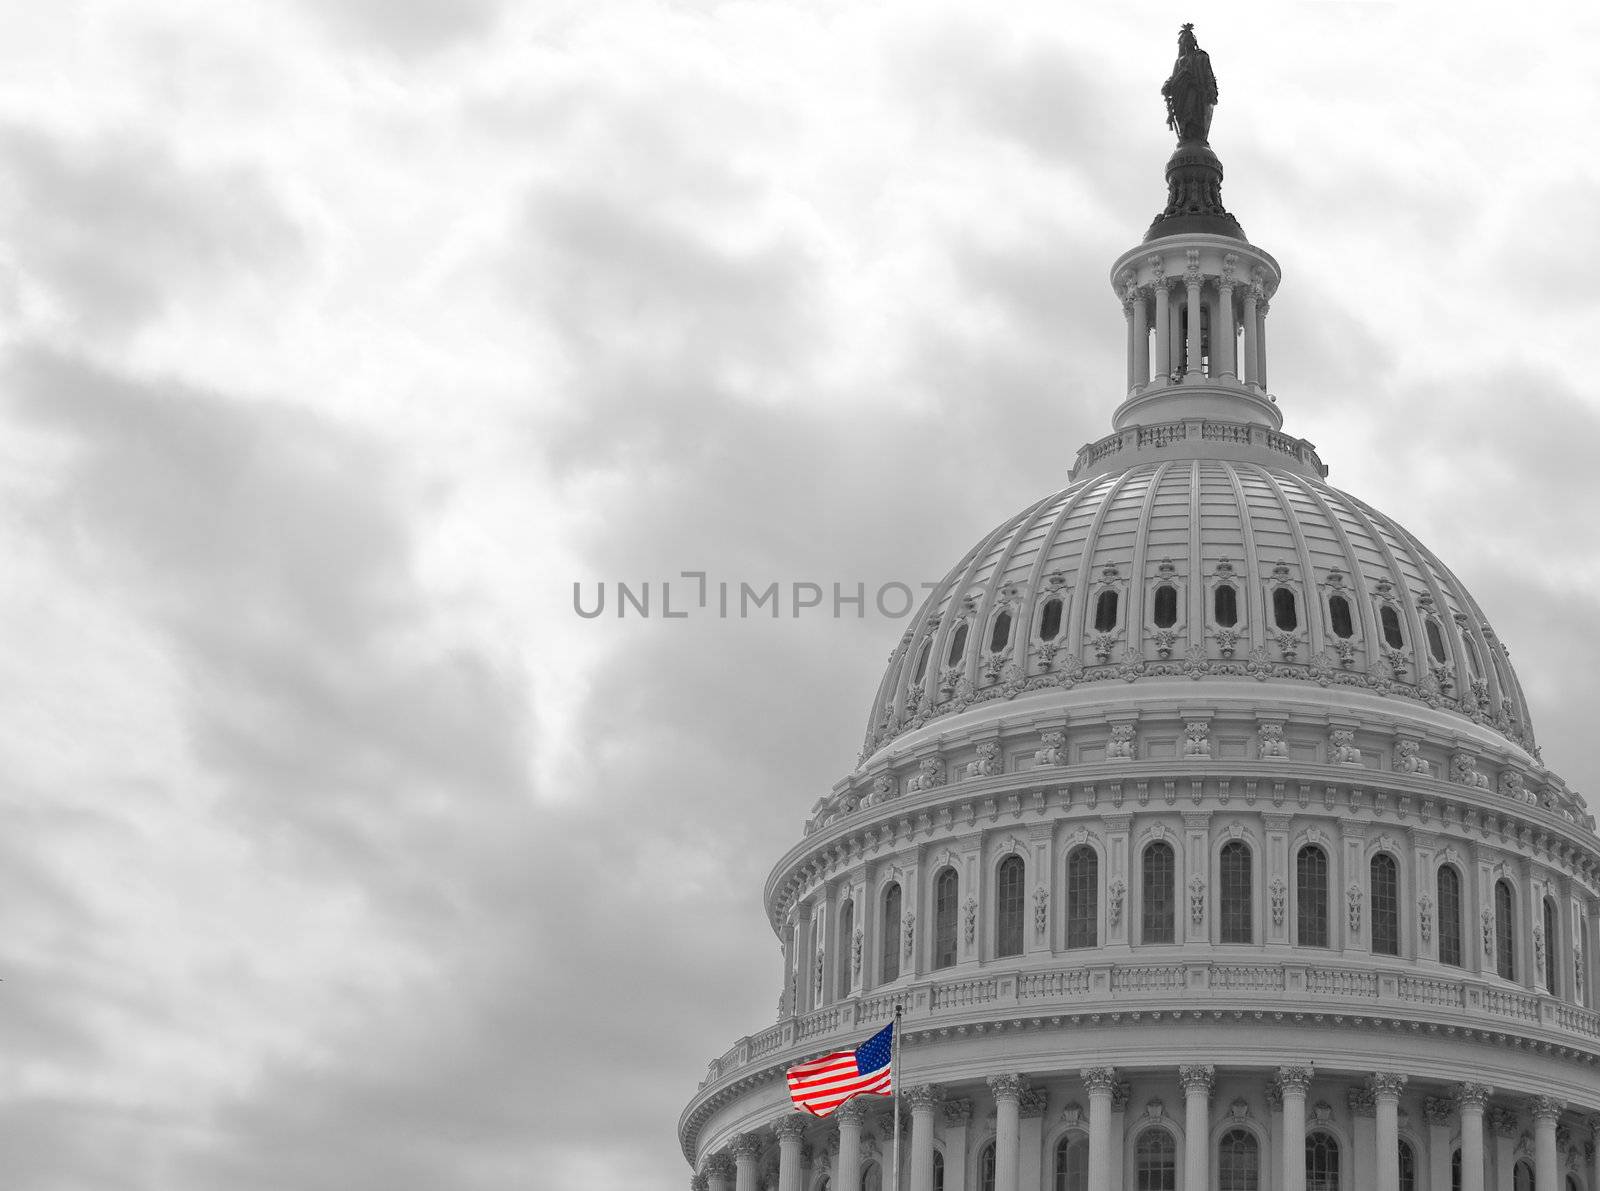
(821, 1085)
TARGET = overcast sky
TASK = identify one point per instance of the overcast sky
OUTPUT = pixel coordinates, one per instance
(341, 338)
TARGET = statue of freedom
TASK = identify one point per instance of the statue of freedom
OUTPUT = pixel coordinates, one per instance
(1191, 92)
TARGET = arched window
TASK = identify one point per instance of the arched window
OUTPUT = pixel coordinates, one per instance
(1472, 656)
(1435, 640)
(1008, 907)
(1238, 1161)
(946, 896)
(847, 929)
(1450, 915)
(1105, 612)
(872, 1177)
(1159, 878)
(1322, 1163)
(1155, 1161)
(1284, 614)
(922, 661)
(1390, 619)
(1000, 635)
(1233, 869)
(1385, 875)
(1552, 946)
(938, 1171)
(1225, 606)
(1311, 897)
(1523, 1179)
(1166, 610)
(1339, 617)
(890, 933)
(1505, 936)
(958, 646)
(986, 1168)
(1083, 897)
(1408, 1167)
(1050, 621)
(1072, 1163)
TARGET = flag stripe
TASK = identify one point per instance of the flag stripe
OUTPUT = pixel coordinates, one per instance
(822, 1084)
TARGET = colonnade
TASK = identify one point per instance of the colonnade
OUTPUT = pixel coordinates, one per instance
(1454, 1121)
(1162, 309)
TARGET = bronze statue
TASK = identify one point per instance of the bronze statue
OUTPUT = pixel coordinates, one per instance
(1191, 92)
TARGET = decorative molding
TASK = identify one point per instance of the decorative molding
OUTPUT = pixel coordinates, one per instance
(1007, 1086)
(1361, 1102)
(1386, 1085)
(1440, 1111)
(1197, 900)
(1295, 1077)
(1278, 890)
(1099, 1080)
(1197, 1077)
(1353, 899)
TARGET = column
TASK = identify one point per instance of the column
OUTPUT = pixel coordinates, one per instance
(1222, 336)
(847, 1173)
(1176, 314)
(1386, 1087)
(1007, 1091)
(1163, 368)
(1099, 1081)
(1293, 1082)
(1196, 1081)
(1594, 1152)
(1261, 342)
(924, 1102)
(1141, 337)
(699, 1182)
(1440, 1113)
(1504, 1125)
(1472, 1098)
(791, 1131)
(1121, 1093)
(1274, 1097)
(719, 1173)
(1032, 1107)
(746, 1153)
(1252, 327)
(1364, 1136)
(1130, 299)
(1546, 1165)
(957, 1114)
(1193, 371)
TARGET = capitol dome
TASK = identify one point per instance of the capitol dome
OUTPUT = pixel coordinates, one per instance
(1199, 835)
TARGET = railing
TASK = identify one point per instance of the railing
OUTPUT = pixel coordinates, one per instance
(1161, 434)
(1082, 987)
(1248, 977)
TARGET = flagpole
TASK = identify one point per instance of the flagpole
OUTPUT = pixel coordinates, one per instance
(895, 1084)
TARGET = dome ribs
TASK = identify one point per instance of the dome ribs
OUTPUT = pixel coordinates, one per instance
(1311, 614)
(1133, 619)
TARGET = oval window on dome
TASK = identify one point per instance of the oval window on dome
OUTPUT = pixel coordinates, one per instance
(1339, 617)
(922, 660)
(1105, 612)
(958, 646)
(1472, 657)
(1284, 613)
(1050, 621)
(1166, 612)
(1390, 620)
(1000, 635)
(1225, 606)
(1435, 640)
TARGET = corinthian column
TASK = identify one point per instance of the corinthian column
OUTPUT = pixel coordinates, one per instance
(1252, 335)
(1546, 1166)
(1100, 1081)
(924, 1102)
(1194, 371)
(1386, 1087)
(1163, 331)
(719, 1173)
(1196, 1081)
(791, 1131)
(1594, 1152)
(1472, 1097)
(1141, 338)
(1505, 1126)
(746, 1153)
(1441, 1115)
(1364, 1136)
(1222, 337)
(1007, 1091)
(1293, 1082)
(847, 1177)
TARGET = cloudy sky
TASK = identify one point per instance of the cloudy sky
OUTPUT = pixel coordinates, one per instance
(340, 338)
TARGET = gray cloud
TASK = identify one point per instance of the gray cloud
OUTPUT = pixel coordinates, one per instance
(407, 27)
(113, 228)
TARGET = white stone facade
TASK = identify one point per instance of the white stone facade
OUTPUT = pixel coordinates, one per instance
(1201, 834)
